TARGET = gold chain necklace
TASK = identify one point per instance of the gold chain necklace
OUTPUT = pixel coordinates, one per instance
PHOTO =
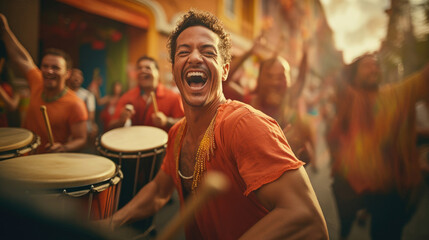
(205, 149)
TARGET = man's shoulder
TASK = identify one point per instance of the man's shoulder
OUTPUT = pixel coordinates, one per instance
(233, 112)
(174, 129)
(233, 108)
(72, 99)
(34, 77)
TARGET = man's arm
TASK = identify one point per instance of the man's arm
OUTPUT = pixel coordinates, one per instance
(11, 102)
(152, 197)
(16, 52)
(123, 111)
(123, 116)
(76, 142)
(294, 210)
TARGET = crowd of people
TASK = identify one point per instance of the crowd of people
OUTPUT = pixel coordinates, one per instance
(261, 138)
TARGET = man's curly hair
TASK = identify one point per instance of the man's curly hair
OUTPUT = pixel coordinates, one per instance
(206, 19)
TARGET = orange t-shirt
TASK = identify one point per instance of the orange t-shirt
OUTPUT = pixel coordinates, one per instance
(251, 150)
(169, 102)
(62, 113)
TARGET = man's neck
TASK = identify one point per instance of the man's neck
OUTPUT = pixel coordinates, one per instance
(198, 118)
(51, 95)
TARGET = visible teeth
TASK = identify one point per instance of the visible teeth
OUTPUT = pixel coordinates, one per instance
(195, 74)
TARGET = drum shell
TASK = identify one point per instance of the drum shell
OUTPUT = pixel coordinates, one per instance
(93, 202)
(138, 169)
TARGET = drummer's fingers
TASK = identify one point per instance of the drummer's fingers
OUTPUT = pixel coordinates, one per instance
(159, 119)
(159, 115)
(125, 114)
(56, 147)
(131, 111)
(48, 146)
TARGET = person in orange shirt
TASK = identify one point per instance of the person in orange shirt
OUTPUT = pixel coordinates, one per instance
(67, 113)
(170, 108)
(373, 146)
(279, 97)
(270, 195)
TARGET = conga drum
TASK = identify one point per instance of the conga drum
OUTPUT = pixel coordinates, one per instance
(15, 142)
(88, 183)
(138, 151)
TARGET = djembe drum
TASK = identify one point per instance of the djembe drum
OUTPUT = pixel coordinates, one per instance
(138, 151)
(88, 184)
(15, 142)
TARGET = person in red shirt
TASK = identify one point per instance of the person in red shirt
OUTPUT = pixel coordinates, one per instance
(170, 108)
(67, 112)
(270, 195)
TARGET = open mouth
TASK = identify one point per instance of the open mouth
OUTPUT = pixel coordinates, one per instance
(144, 76)
(196, 80)
(49, 77)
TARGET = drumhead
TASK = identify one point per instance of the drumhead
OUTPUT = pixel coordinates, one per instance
(14, 138)
(134, 139)
(58, 170)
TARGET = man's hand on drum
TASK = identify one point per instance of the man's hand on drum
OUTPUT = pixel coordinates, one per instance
(55, 148)
(159, 119)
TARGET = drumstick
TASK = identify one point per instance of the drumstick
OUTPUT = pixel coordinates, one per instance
(48, 125)
(214, 183)
(155, 105)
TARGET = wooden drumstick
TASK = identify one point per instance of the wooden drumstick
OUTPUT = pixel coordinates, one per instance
(214, 183)
(48, 125)
(155, 105)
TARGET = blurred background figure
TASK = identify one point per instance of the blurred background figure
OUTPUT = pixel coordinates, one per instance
(108, 103)
(277, 95)
(169, 104)
(375, 164)
(74, 83)
(9, 98)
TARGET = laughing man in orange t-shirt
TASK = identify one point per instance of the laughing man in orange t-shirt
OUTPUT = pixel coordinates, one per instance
(270, 195)
(67, 113)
